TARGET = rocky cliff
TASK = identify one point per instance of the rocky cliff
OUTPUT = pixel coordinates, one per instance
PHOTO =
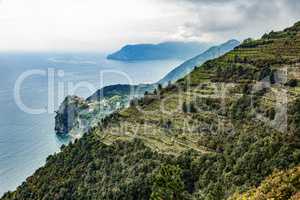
(67, 115)
(77, 115)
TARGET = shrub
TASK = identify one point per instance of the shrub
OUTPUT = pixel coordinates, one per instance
(168, 184)
(292, 83)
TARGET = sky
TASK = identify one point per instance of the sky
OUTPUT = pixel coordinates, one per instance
(106, 25)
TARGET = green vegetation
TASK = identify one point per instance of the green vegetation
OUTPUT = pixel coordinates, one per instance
(168, 184)
(215, 134)
(93, 170)
(281, 185)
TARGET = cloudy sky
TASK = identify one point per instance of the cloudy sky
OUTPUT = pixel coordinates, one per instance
(99, 25)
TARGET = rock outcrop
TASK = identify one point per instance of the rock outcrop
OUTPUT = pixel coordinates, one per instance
(67, 115)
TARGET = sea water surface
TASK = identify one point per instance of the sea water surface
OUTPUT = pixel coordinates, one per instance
(27, 139)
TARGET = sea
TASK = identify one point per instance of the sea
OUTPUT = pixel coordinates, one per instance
(32, 85)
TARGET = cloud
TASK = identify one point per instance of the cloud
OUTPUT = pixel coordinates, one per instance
(293, 6)
(219, 19)
(202, 1)
(82, 25)
(93, 25)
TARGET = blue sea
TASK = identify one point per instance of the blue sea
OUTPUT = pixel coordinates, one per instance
(43, 79)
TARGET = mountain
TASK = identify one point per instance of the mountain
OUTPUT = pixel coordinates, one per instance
(186, 67)
(230, 128)
(74, 119)
(165, 50)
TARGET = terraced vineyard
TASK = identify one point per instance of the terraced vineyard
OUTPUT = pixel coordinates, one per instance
(217, 133)
(162, 123)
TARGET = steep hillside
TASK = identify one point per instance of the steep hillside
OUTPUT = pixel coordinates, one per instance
(186, 67)
(214, 134)
(73, 119)
(281, 185)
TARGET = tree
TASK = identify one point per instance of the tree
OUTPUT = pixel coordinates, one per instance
(280, 185)
(184, 107)
(168, 124)
(192, 108)
(168, 184)
(292, 83)
(248, 40)
(133, 102)
(159, 87)
(273, 77)
(169, 83)
(189, 108)
(265, 36)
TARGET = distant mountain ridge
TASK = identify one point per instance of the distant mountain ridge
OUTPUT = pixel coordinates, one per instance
(82, 114)
(165, 50)
(188, 66)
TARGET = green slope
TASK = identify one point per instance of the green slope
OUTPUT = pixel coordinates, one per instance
(223, 129)
(75, 120)
(188, 66)
(281, 185)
